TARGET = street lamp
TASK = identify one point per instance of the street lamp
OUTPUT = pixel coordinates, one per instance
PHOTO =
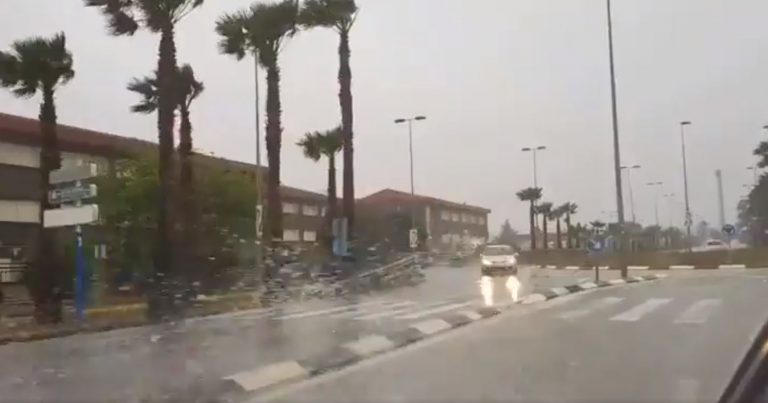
(410, 152)
(629, 184)
(688, 220)
(533, 150)
(616, 152)
(657, 185)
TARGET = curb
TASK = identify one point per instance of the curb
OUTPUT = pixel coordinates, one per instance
(641, 267)
(250, 382)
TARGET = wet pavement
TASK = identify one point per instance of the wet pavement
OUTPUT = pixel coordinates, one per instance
(154, 362)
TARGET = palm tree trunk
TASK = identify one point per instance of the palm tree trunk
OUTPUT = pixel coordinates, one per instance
(559, 234)
(274, 139)
(331, 210)
(569, 230)
(546, 235)
(44, 281)
(345, 101)
(533, 227)
(160, 303)
(189, 224)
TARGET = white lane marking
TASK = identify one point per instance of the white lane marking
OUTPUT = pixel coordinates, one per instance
(269, 375)
(601, 303)
(604, 268)
(638, 267)
(432, 326)
(399, 311)
(732, 266)
(617, 281)
(560, 291)
(687, 390)
(472, 315)
(639, 311)
(551, 267)
(421, 314)
(638, 278)
(370, 345)
(533, 298)
(325, 311)
(572, 267)
(587, 285)
(681, 267)
(699, 312)
(365, 310)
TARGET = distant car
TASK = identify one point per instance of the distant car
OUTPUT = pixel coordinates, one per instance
(498, 259)
(715, 244)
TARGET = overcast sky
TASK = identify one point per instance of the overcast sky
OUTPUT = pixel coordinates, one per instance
(492, 76)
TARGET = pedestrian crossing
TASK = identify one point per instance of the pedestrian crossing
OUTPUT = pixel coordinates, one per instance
(620, 310)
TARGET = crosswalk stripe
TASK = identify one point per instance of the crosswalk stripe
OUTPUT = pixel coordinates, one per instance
(639, 311)
(699, 312)
(601, 303)
(365, 310)
(423, 313)
(325, 311)
(393, 312)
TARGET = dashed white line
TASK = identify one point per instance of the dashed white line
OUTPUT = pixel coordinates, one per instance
(601, 303)
(432, 326)
(421, 314)
(699, 312)
(370, 345)
(641, 310)
(269, 375)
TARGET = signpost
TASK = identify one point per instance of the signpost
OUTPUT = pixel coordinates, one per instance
(596, 246)
(730, 231)
(413, 238)
(340, 236)
(69, 194)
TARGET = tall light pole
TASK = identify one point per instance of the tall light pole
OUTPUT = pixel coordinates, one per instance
(688, 218)
(616, 150)
(657, 185)
(410, 152)
(259, 214)
(629, 184)
(533, 150)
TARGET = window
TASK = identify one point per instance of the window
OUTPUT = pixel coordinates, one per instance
(455, 217)
(309, 210)
(19, 211)
(290, 235)
(481, 220)
(465, 218)
(290, 208)
(445, 238)
(445, 215)
(310, 236)
(322, 211)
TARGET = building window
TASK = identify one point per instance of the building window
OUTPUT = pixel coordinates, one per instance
(310, 236)
(322, 211)
(465, 218)
(445, 215)
(290, 208)
(309, 210)
(290, 235)
(21, 211)
(455, 217)
(481, 220)
(445, 238)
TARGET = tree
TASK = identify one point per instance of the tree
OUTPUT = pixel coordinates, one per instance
(556, 214)
(316, 145)
(531, 195)
(339, 15)
(597, 225)
(570, 209)
(125, 17)
(262, 30)
(545, 209)
(506, 235)
(41, 65)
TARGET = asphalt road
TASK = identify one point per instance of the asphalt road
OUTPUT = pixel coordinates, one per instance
(153, 362)
(679, 339)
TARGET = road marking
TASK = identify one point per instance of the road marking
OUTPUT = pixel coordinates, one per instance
(572, 267)
(421, 314)
(325, 311)
(432, 326)
(732, 266)
(364, 310)
(533, 298)
(370, 345)
(393, 312)
(638, 267)
(601, 303)
(560, 291)
(699, 312)
(587, 285)
(681, 267)
(639, 311)
(687, 390)
(617, 281)
(472, 315)
(269, 375)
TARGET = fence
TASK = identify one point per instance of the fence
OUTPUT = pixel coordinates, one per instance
(11, 272)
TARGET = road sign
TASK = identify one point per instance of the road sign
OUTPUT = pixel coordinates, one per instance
(413, 238)
(259, 220)
(688, 219)
(729, 229)
(73, 174)
(72, 194)
(63, 217)
(595, 245)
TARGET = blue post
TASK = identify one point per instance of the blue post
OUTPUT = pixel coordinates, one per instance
(80, 275)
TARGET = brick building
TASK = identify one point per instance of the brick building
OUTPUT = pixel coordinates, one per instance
(19, 178)
(446, 225)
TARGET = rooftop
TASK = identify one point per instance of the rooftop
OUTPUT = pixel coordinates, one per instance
(392, 195)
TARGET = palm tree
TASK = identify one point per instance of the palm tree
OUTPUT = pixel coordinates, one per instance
(545, 209)
(556, 214)
(570, 209)
(262, 29)
(339, 15)
(187, 90)
(597, 225)
(531, 195)
(125, 17)
(32, 65)
(316, 145)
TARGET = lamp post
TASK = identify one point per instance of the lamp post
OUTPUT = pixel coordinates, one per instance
(616, 149)
(688, 218)
(259, 213)
(533, 151)
(410, 152)
(657, 185)
(629, 185)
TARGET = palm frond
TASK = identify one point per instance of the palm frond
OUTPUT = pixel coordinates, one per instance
(34, 63)
(147, 88)
(189, 88)
(9, 70)
(120, 15)
(327, 13)
(232, 28)
(330, 142)
(310, 146)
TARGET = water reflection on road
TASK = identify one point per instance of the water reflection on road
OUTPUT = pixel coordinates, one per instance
(488, 284)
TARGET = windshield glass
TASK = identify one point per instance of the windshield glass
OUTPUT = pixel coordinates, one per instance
(498, 250)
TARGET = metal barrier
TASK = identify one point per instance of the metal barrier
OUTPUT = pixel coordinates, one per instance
(11, 272)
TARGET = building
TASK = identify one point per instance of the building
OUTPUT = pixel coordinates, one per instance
(445, 225)
(20, 176)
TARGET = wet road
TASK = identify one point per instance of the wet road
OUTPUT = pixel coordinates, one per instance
(157, 361)
(679, 339)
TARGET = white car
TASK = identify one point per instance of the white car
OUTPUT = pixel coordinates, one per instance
(715, 244)
(498, 259)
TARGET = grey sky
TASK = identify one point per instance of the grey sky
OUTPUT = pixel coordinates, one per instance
(492, 76)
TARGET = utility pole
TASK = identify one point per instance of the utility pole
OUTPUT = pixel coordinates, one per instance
(688, 217)
(720, 203)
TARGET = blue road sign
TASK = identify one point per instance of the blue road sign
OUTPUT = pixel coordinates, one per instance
(595, 245)
(729, 229)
